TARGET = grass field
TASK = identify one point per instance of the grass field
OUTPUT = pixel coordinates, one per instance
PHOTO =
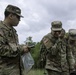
(35, 72)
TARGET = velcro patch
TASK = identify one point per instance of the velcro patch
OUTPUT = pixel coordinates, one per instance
(47, 43)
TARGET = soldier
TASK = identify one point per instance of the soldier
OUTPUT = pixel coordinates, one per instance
(72, 45)
(59, 60)
(10, 51)
(72, 41)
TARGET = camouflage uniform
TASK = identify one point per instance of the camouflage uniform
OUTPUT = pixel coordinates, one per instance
(72, 41)
(58, 59)
(9, 47)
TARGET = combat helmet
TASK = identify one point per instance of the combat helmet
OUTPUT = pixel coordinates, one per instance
(56, 26)
(72, 34)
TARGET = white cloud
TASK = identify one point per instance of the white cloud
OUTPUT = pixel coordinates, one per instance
(38, 15)
(71, 24)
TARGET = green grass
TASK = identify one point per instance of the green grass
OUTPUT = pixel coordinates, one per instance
(35, 72)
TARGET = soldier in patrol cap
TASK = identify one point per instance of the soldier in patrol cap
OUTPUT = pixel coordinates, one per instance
(56, 28)
(54, 45)
(72, 42)
(10, 50)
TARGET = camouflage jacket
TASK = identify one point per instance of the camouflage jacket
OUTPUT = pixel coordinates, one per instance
(73, 49)
(58, 56)
(8, 46)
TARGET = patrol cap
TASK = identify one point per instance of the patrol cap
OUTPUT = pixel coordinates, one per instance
(56, 25)
(14, 9)
(72, 34)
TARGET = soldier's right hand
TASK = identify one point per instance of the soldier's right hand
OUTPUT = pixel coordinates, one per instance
(26, 49)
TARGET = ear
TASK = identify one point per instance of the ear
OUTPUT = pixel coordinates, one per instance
(10, 16)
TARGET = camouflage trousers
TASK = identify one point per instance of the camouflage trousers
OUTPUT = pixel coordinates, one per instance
(51, 72)
(9, 71)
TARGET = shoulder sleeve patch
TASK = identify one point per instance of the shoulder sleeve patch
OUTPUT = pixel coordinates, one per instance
(47, 43)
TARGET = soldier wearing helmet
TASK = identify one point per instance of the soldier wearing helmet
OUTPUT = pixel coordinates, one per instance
(54, 45)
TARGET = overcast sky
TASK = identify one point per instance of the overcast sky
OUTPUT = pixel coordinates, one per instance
(38, 15)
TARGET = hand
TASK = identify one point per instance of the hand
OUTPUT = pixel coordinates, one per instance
(26, 49)
(59, 41)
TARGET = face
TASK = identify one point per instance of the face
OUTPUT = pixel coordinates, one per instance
(15, 19)
(72, 42)
(57, 33)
